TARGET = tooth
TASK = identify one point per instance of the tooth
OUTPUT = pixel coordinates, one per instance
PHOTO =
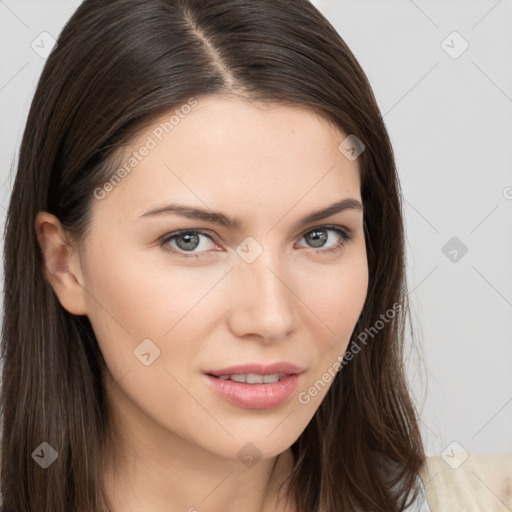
(252, 378)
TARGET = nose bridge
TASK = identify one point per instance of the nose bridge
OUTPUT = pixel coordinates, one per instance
(262, 302)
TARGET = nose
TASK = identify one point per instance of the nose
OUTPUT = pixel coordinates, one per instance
(262, 302)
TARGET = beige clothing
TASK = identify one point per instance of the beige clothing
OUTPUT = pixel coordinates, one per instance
(480, 483)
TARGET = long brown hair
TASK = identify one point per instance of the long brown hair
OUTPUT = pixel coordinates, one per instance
(117, 66)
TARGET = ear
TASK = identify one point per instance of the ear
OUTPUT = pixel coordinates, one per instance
(61, 262)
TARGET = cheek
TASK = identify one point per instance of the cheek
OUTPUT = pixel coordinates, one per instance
(337, 295)
(133, 299)
(337, 300)
(175, 309)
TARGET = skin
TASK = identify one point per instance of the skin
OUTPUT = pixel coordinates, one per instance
(268, 165)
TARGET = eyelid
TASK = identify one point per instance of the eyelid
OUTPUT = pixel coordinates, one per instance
(346, 234)
(175, 234)
(336, 227)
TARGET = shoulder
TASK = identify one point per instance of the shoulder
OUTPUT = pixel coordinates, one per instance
(470, 482)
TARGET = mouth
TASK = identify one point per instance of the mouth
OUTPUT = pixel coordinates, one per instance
(253, 372)
(255, 386)
(252, 378)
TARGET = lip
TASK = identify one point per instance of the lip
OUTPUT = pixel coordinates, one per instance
(256, 396)
(258, 368)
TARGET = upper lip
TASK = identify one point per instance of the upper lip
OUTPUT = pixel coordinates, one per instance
(258, 369)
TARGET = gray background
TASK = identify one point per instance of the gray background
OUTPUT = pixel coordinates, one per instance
(449, 115)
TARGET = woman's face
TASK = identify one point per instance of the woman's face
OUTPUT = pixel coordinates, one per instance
(168, 309)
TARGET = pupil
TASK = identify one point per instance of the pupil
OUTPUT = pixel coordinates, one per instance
(319, 237)
(188, 236)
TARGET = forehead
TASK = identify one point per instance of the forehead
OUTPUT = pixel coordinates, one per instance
(226, 151)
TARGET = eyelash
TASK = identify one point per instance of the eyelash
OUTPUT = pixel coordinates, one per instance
(345, 234)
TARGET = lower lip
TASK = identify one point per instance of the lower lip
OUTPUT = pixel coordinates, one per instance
(255, 396)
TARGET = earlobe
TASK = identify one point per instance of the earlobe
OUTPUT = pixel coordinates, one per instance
(61, 264)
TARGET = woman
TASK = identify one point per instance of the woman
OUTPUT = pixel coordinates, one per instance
(205, 293)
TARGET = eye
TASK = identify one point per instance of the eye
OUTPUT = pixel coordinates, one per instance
(186, 241)
(319, 236)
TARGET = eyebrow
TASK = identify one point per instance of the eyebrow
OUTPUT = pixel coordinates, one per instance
(236, 224)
